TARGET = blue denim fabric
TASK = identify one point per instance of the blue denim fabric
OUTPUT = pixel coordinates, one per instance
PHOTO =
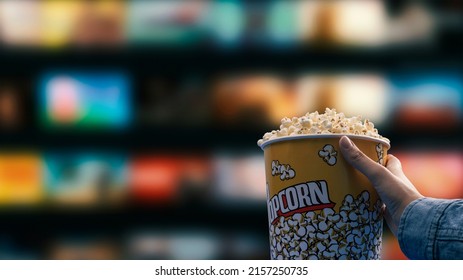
(432, 229)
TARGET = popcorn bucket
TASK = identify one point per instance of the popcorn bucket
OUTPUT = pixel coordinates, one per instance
(320, 207)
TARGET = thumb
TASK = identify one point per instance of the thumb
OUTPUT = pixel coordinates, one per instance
(374, 171)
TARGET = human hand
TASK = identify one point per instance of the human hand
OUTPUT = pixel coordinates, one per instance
(393, 187)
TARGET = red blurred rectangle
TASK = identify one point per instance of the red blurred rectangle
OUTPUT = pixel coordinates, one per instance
(166, 178)
(435, 174)
(422, 117)
(155, 178)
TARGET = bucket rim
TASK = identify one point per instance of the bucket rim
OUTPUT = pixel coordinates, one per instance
(309, 136)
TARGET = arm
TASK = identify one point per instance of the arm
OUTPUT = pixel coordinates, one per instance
(426, 228)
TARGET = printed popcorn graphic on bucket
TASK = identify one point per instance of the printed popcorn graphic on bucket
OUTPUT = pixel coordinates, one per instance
(380, 153)
(284, 170)
(353, 232)
(328, 154)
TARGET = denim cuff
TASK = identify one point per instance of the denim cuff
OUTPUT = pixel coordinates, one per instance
(418, 227)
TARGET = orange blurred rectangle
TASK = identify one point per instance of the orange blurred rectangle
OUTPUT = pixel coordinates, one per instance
(100, 23)
(93, 249)
(252, 100)
(20, 179)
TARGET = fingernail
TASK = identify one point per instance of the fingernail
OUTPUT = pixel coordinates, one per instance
(346, 142)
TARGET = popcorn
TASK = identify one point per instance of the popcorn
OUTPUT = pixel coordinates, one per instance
(352, 233)
(330, 122)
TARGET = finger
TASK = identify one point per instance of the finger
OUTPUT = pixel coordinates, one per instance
(394, 165)
(374, 171)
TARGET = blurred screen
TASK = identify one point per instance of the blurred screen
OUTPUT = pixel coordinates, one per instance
(163, 179)
(85, 100)
(166, 22)
(240, 177)
(100, 23)
(226, 21)
(255, 31)
(20, 22)
(155, 179)
(83, 248)
(149, 245)
(415, 24)
(191, 245)
(338, 22)
(20, 179)
(170, 101)
(351, 93)
(435, 174)
(424, 100)
(58, 21)
(194, 245)
(282, 22)
(86, 179)
(252, 100)
(15, 103)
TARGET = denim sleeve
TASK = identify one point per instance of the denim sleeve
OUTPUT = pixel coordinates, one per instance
(432, 229)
